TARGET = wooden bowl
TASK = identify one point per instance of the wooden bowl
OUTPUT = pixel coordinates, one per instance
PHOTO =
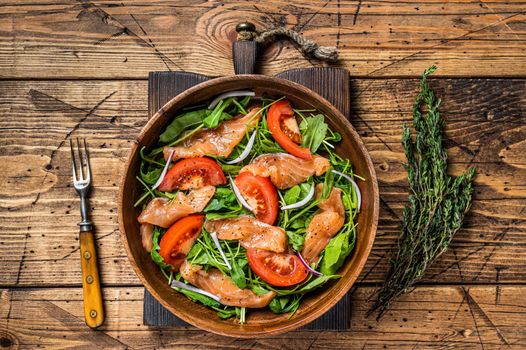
(259, 322)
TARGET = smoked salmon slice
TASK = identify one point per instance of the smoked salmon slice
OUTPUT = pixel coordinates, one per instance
(286, 170)
(217, 142)
(250, 232)
(146, 231)
(324, 225)
(164, 212)
(213, 281)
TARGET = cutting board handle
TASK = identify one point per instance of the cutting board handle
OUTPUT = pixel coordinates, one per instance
(245, 49)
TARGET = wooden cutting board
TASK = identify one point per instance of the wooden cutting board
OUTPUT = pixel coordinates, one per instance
(331, 83)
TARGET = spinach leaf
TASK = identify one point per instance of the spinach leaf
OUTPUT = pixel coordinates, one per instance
(337, 251)
(296, 240)
(181, 123)
(156, 257)
(313, 130)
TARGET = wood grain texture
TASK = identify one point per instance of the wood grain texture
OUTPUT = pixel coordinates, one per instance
(114, 39)
(486, 127)
(93, 303)
(443, 317)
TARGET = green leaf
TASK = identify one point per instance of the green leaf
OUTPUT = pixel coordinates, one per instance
(203, 299)
(238, 275)
(150, 176)
(156, 257)
(313, 130)
(259, 290)
(217, 115)
(231, 169)
(224, 199)
(285, 304)
(327, 184)
(307, 287)
(336, 252)
(296, 240)
(292, 195)
(181, 123)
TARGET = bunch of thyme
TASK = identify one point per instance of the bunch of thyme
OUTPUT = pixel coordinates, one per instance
(437, 202)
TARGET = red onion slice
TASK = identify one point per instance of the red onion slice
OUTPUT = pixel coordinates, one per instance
(239, 196)
(354, 184)
(246, 151)
(301, 203)
(304, 262)
(216, 241)
(230, 94)
(163, 174)
(179, 284)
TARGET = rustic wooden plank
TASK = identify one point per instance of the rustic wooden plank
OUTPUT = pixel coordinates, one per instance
(438, 317)
(38, 208)
(112, 39)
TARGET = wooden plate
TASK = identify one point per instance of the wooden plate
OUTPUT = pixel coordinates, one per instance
(259, 322)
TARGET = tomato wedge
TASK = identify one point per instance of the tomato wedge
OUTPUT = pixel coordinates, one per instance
(193, 173)
(180, 238)
(276, 113)
(260, 194)
(277, 269)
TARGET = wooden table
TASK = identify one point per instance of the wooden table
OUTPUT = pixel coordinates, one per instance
(78, 69)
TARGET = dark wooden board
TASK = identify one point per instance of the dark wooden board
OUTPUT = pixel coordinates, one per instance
(331, 83)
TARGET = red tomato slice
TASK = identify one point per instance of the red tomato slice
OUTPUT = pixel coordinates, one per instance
(180, 238)
(193, 173)
(277, 269)
(261, 194)
(276, 113)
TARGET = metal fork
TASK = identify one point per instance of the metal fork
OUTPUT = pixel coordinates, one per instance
(93, 307)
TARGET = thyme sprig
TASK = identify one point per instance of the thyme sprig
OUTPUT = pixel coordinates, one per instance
(437, 201)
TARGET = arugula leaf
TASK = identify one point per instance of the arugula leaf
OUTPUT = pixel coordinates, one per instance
(181, 123)
(292, 195)
(328, 183)
(259, 290)
(296, 240)
(296, 193)
(203, 299)
(226, 215)
(337, 251)
(237, 274)
(150, 176)
(223, 199)
(231, 169)
(217, 115)
(227, 313)
(285, 304)
(313, 130)
(307, 287)
(156, 257)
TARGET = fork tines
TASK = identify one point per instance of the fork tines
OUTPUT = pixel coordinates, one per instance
(84, 168)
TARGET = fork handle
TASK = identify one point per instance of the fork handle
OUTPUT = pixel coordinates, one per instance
(93, 308)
